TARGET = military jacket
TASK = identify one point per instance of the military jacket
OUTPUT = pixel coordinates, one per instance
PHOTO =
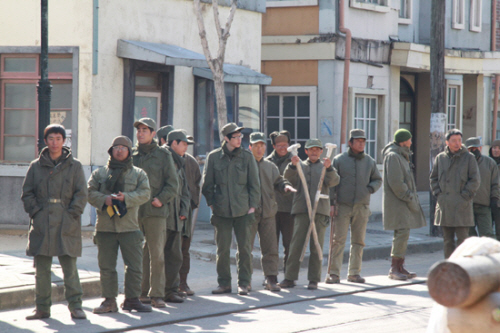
(359, 178)
(454, 180)
(271, 182)
(181, 203)
(54, 197)
(231, 186)
(136, 192)
(488, 189)
(163, 182)
(312, 174)
(284, 201)
(401, 205)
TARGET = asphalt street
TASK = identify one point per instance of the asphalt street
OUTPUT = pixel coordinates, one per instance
(380, 305)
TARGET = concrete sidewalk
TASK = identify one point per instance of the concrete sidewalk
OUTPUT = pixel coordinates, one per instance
(17, 272)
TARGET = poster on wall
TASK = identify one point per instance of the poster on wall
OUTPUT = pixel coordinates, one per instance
(438, 127)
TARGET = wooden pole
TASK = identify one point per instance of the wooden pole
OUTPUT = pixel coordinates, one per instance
(463, 281)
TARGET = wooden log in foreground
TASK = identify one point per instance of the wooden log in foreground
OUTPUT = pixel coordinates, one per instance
(461, 282)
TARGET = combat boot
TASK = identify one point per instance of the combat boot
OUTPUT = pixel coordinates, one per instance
(272, 283)
(130, 304)
(108, 305)
(402, 269)
(395, 272)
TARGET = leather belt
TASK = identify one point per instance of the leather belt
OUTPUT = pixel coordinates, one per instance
(54, 200)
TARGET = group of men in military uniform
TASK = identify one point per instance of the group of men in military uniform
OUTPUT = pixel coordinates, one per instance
(145, 196)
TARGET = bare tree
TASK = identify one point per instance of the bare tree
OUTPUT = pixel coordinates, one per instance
(216, 64)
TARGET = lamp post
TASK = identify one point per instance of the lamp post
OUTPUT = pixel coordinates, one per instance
(44, 87)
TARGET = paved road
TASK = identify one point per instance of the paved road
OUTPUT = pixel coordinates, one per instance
(381, 305)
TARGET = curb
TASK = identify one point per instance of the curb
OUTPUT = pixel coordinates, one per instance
(19, 297)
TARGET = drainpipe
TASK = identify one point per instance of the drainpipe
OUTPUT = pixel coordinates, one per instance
(495, 108)
(497, 76)
(95, 37)
(347, 62)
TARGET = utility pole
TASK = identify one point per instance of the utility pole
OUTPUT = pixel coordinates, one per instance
(438, 112)
(44, 87)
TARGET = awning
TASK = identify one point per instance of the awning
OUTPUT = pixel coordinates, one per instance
(235, 74)
(177, 56)
(159, 53)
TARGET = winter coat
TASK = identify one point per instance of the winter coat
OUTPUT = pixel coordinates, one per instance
(231, 185)
(193, 176)
(136, 191)
(489, 182)
(401, 206)
(163, 182)
(182, 201)
(312, 174)
(55, 196)
(271, 182)
(359, 178)
(284, 201)
(454, 180)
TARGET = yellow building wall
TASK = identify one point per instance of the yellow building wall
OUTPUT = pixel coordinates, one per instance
(291, 21)
(292, 72)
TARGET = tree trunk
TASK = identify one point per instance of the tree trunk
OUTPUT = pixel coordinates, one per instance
(438, 115)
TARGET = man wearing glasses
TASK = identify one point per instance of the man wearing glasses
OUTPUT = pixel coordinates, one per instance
(232, 189)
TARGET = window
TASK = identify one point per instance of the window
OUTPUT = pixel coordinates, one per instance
(243, 107)
(475, 15)
(452, 108)
(380, 6)
(405, 9)
(458, 14)
(365, 117)
(291, 113)
(19, 76)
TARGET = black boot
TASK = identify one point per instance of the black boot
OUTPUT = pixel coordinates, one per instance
(134, 304)
(402, 269)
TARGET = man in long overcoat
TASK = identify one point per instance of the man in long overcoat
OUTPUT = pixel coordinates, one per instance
(488, 194)
(401, 206)
(54, 196)
(494, 153)
(454, 180)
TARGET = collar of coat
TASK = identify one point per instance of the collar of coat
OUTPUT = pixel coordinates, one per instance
(46, 161)
(462, 151)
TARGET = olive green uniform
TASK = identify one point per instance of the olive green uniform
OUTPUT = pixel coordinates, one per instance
(231, 187)
(193, 176)
(121, 232)
(454, 180)
(158, 164)
(265, 224)
(401, 205)
(312, 174)
(359, 178)
(173, 246)
(284, 219)
(54, 195)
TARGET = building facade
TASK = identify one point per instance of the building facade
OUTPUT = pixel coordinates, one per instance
(112, 62)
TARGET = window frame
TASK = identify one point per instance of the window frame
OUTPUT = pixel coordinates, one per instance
(312, 91)
(458, 85)
(73, 76)
(381, 6)
(382, 114)
(455, 23)
(408, 19)
(475, 6)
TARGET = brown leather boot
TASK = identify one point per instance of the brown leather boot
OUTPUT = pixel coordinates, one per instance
(38, 314)
(409, 275)
(130, 304)
(108, 305)
(394, 272)
(272, 283)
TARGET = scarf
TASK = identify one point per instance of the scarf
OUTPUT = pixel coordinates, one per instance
(115, 182)
(178, 159)
(356, 156)
(279, 160)
(145, 149)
